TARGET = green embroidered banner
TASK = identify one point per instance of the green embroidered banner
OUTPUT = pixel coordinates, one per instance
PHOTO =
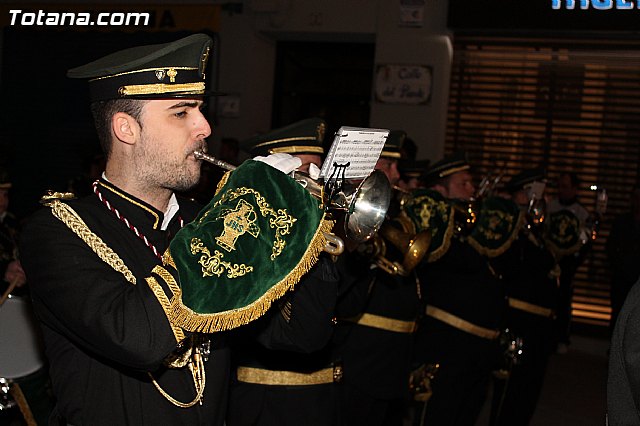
(258, 236)
(430, 211)
(497, 225)
(562, 233)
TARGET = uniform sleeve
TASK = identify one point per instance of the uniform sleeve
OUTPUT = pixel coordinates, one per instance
(302, 321)
(80, 297)
(356, 279)
(631, 350)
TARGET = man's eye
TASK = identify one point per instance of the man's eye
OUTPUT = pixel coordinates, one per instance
(181, 114)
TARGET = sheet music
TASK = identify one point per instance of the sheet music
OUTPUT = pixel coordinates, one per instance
(358, 146)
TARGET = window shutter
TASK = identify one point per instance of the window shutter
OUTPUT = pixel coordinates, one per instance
(567, 105)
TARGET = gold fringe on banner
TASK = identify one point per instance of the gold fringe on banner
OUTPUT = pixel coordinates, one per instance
(446, 241)
(485, 251)
(184, 317)
(559, 252)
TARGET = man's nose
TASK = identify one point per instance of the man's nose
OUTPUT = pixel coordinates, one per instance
(203, 127)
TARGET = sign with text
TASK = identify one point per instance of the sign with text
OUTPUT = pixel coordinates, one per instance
(403, 84)
(412, 13)
(357, 146)
(543, 15)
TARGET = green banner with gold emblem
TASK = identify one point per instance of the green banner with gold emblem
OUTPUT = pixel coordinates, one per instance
(252, 243)
(497, 225)
(562, 233)
(430, 211)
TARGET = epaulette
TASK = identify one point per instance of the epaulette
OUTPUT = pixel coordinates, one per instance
(50, 196)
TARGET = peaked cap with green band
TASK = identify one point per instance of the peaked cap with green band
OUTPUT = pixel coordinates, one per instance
(301, 137)
(496, 226)
(168, 70)
(525, 177)
(454, 163)
(252, 243)
(430, 211)
(413, 168)
(5, 182)
(562, 233)
(393, 144)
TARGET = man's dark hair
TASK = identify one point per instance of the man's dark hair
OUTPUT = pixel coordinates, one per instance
(103, 111)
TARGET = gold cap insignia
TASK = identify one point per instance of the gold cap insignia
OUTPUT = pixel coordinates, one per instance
(172, 74)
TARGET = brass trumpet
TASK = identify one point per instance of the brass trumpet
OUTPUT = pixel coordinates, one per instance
(365, 204)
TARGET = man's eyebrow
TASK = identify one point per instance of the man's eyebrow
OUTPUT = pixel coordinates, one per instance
(191, 104)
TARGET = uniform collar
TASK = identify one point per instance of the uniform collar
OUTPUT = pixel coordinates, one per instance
(126, 202)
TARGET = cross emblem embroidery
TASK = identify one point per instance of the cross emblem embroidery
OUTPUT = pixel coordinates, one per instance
(237, 222)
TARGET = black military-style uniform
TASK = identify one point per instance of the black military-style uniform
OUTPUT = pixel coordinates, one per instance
(467, 285)
(283, 371)
(284, 374)
(374, 341)
(102, 333)
(531, 276)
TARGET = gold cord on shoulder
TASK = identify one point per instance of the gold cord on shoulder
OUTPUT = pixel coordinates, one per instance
(74, 222)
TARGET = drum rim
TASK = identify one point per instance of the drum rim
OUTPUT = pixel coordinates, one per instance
(32, 359)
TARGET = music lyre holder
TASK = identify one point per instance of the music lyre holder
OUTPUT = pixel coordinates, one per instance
(335, 184)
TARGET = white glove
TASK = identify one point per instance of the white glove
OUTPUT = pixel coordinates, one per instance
(314, 171)
(284, 162)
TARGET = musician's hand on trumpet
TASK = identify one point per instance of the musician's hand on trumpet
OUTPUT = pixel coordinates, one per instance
(286, 163)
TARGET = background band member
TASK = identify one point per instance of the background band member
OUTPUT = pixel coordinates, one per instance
(464, 296)
(531, 276)
(283, 371)
(377, 316)
(567, 199)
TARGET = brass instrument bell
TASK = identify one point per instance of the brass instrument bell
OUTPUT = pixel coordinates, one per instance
(413, 248)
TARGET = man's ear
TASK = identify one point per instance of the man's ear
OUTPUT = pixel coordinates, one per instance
(125, 128)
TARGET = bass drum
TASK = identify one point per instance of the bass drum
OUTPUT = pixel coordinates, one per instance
(21, 346)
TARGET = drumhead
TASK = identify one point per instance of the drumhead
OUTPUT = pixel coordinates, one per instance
(20, 344)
